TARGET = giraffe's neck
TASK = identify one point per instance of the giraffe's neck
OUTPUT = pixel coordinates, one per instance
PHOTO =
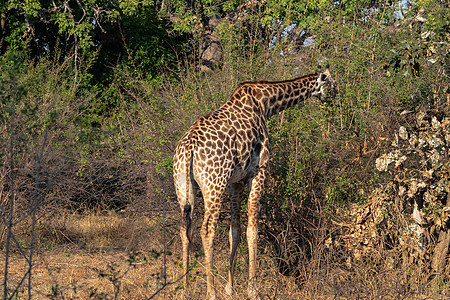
(273, 97)
(289, 93)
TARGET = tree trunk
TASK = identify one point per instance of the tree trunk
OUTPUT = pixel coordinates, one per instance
(212, 47)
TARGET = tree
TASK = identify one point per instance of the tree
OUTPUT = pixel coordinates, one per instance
(123, 30)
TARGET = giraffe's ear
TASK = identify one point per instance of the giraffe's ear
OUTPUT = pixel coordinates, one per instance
(327, 66)
(319, 67)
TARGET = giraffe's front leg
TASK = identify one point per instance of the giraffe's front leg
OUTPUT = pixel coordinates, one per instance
(252, 231)
(236, 190)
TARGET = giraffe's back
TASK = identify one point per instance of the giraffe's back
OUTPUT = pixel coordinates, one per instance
(225, 146)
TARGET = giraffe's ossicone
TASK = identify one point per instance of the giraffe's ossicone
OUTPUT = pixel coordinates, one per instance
(229, 147)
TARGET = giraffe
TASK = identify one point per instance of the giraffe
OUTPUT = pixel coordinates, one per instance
(229, 148)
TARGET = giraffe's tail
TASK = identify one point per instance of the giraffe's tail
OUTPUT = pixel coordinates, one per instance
(187, 220)
(187, 210)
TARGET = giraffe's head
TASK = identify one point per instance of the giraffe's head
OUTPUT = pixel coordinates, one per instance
(326, 87)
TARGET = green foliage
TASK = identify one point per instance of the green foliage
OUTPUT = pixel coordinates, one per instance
(11, 90)
(125, 31)
(302, 13)
(299, 148)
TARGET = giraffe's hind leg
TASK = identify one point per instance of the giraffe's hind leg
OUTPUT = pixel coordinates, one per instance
(236, 190)
(213, 199)
(185, 188)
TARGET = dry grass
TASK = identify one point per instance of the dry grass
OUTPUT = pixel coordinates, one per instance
(103, 256)
(100, 231)
(96, 256)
